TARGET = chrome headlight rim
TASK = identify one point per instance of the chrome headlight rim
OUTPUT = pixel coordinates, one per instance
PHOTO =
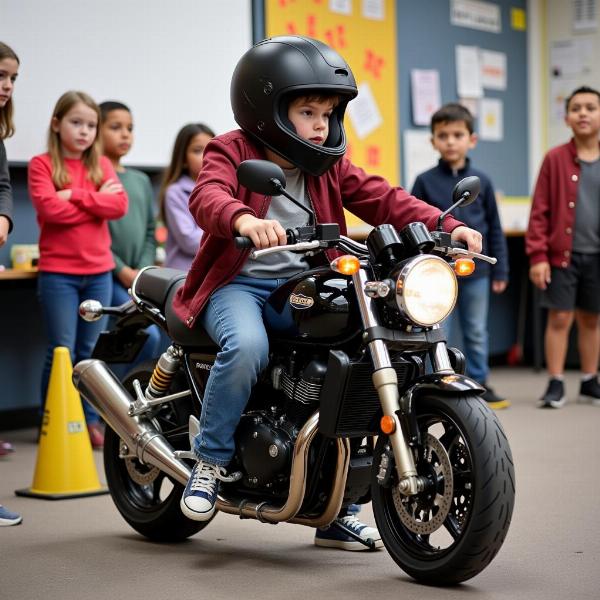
(403, 275)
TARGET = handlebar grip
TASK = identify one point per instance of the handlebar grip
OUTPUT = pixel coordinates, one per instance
(243, 243)
(459, 245)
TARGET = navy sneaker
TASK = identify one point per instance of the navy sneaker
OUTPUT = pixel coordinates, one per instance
(200, 494)
(8, 517)
(334, 537)
(554, 396)
(589, 392)
(493, 400)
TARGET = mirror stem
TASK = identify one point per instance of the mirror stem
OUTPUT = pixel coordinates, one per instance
(441, 218)
(281, 191)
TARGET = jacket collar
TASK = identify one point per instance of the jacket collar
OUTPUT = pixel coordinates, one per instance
(455, 172)
(572, 148)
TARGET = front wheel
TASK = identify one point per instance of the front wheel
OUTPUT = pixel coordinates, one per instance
(453, 529)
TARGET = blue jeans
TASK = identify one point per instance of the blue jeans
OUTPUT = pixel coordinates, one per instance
(472, 313)
(233, 319)
(154, 344)
(60, 295)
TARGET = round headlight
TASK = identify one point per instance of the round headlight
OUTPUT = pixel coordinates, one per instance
(426, 290)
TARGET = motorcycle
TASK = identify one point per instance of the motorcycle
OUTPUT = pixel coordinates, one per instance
(362, 400)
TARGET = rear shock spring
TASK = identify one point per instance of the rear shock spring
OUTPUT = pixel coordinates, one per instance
(164, 371)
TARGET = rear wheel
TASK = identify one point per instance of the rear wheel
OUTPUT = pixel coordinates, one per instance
(147, 498)
(453, 529)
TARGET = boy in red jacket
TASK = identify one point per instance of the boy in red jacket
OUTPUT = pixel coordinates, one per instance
(563, 245)
(288, 95)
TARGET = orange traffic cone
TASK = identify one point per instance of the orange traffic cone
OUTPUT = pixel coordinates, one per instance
(65, 465)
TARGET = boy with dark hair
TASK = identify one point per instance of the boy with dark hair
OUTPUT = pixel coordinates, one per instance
(289, 95)
(563, 245)
(452, 135)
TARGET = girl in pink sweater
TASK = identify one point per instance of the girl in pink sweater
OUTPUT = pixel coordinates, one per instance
(74, 191)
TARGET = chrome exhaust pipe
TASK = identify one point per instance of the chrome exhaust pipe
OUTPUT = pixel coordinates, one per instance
(101, 388)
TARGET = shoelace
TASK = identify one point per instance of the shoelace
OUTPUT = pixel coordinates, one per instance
(206, 475)
(351, 522)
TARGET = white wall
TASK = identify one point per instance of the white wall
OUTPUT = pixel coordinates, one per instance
(171, 62)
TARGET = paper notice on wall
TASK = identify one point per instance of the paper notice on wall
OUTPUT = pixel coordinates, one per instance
(341, 7)
(560, 90)
(419, 155)
(474, 14)
(425, 94)
(491, 123)
(373, 9)
(363, 112)
(468, 72)
(571, 58)
(493, 70)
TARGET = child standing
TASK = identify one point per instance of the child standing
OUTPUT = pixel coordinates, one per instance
(74, 191)
(563, 245)
(9, 69)
(184, 234)
(299, 125)
(133, 240)
(453, 136)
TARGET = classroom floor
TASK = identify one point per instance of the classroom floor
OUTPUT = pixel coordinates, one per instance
(74, 549)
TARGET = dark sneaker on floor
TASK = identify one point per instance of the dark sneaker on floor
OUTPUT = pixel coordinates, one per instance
(200, 494)
(589, 392)
(8, 517)
(554, 396)
(493, 400)
(333, 537)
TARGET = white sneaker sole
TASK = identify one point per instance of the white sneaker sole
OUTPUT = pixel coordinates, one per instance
(9, 522)
(341, 545)
(554, 403)
(195, 515)
(582, 399)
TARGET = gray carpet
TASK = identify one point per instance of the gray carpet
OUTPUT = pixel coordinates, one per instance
(74, 549)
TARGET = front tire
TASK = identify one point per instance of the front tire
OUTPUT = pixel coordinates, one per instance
(146, 498)
(453, 529)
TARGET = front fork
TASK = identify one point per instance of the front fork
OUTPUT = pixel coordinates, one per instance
(385, 381)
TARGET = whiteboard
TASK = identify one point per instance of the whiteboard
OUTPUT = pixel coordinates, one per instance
(170, 62)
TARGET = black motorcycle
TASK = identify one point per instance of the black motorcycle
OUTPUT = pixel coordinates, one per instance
(362, 400)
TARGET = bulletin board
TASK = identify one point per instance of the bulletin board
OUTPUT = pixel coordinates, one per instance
(364, 33)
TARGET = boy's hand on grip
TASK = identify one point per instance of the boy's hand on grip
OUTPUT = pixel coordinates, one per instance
(469, 236)
(540, 275)
(264, 233)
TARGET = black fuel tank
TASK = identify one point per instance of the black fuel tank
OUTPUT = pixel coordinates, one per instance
(315, 306)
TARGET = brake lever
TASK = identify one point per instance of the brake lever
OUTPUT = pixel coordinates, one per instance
(468, 254)
(255, 254)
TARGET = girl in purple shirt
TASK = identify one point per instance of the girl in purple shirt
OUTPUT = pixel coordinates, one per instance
(184, 235)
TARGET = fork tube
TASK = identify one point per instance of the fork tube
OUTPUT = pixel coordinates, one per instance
(385, 380)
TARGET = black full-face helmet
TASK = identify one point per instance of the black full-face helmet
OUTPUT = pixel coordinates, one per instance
(277, 70)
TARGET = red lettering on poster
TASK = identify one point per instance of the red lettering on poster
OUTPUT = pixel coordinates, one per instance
(373, 63)
(348, 153)
(311, 25)
(291, 28)
(373, 156)
(336, 37)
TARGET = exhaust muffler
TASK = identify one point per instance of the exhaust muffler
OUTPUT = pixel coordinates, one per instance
(101, 388)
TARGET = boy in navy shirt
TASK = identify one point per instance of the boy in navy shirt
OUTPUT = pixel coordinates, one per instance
(453, 136)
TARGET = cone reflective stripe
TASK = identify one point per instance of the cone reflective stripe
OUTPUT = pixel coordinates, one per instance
(65, 466)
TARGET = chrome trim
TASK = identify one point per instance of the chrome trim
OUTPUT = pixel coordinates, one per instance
(270, 513)
(101, 388)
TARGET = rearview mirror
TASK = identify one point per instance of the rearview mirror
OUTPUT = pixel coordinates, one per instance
(261, 176)
(466, 191)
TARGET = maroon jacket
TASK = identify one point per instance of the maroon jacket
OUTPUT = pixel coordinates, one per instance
(218, 199)
(549, 236)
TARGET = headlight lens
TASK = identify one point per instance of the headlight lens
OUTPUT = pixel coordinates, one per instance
(426, 290)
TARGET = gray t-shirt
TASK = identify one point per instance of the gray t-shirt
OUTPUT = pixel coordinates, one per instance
(586, 238)
(283, 264)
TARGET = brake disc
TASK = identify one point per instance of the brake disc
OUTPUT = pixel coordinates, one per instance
(425, 513)
(140, 473)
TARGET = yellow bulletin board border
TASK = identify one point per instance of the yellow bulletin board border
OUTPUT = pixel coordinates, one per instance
(366, 38)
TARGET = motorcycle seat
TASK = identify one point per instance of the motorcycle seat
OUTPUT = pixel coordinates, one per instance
(158, 286)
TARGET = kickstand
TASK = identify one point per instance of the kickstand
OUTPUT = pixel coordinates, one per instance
(369, 542)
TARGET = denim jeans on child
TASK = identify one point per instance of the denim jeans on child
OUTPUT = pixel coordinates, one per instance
(154, 345)
(233, 319)
(472, 313)
(60, 296)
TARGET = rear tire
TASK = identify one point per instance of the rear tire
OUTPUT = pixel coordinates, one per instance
(146, 498)
(451, 531)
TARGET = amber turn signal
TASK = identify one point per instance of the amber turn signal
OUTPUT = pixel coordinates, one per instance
(346, 265)
(387, 424)
(464, 266)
